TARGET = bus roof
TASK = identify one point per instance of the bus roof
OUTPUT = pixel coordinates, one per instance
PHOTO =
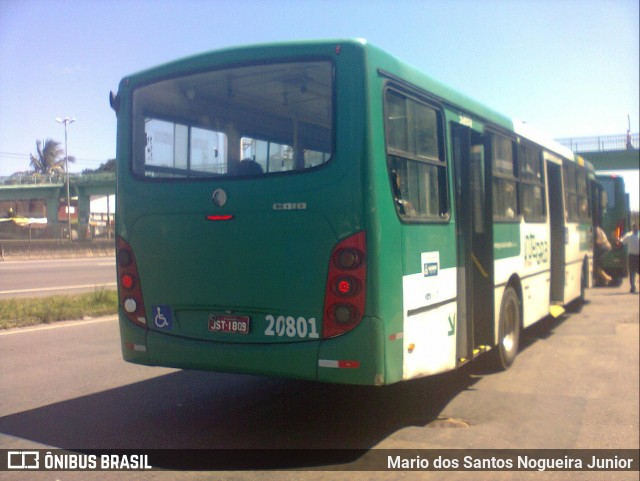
(452, 97)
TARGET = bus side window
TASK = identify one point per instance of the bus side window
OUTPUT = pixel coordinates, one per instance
(532, 185)
(570, 195)
(415, 156)
(505, 198)
(584, 214)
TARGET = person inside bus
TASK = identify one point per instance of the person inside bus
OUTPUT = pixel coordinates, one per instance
(510, 200)
(603, 247)
(244, 167)
(249, 167)
(631, 241)
(404, 206)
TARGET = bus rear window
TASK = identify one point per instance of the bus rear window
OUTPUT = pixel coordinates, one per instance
(245, 121)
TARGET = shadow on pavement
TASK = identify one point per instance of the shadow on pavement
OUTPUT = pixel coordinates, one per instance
(197, 410)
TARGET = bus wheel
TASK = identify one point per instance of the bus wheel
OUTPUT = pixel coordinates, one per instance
(508, 330)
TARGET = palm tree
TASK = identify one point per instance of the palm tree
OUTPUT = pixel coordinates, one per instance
(50, 159)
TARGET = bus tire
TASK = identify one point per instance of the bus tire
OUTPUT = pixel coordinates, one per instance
(508, 330)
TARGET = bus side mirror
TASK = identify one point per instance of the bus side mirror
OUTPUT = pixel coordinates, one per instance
(114, 101)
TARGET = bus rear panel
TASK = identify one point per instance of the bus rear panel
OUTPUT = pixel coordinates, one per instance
(241, 240)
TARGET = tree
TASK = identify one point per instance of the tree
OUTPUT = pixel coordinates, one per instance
(50, 159)
(108, 166)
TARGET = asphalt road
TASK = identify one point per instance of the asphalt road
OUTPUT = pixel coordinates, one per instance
(56, 276)
(574, 384)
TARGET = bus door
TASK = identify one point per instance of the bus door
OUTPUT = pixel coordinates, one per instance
(475, 289)
(556, 218)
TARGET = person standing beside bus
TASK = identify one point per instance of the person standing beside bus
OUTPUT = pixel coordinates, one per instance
(603, 247)
(632, 243)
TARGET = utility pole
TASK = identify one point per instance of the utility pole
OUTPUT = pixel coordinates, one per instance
(67, 121)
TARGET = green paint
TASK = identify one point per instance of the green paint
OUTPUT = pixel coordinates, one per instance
(452, 325)
(506, 240)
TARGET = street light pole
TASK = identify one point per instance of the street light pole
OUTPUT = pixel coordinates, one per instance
(67, 121)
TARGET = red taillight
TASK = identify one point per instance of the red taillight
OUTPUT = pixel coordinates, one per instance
(344, 287)
(345, 293)
(127, 281)
(219, 217)
(129, 290)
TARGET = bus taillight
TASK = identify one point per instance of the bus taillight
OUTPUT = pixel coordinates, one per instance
(345, 293)
(130, 293)
(619, 229)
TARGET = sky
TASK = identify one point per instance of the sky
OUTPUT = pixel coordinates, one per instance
(570, 68)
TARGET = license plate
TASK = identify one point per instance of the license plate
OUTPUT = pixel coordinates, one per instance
(229, 324)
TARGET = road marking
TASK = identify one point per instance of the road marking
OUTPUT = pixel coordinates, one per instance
(60, 288)
(26, 266)
(56, 325)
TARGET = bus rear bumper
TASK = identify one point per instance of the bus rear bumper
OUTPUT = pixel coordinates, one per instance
(353, 358)
(356, 357)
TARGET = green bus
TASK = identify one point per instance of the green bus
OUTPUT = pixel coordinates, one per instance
(615, 222)
(323, 211)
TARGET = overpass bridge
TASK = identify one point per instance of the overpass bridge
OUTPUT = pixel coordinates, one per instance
(607, 152)
(51, 190)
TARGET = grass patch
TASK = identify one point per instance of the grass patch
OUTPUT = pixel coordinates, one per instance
(19, 312)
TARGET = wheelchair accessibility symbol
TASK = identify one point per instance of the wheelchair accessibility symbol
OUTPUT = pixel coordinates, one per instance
(163, 319)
